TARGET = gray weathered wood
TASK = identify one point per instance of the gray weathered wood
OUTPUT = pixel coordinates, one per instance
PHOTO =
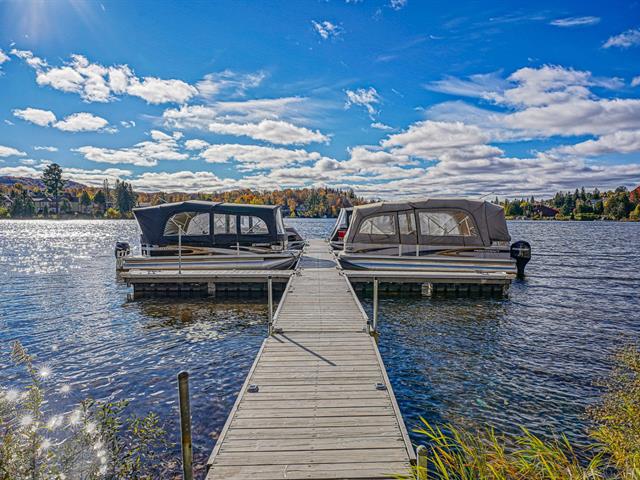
(318, 412)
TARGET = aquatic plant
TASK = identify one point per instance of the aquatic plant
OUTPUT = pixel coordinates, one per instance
(618, 415)
(94, 441)
(455, 453)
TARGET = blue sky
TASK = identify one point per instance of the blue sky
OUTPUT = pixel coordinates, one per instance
(392, 98)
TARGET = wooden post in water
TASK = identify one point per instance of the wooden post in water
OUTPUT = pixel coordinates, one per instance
(185, 426)
(270, 296)
(375, 304)
(421, 465)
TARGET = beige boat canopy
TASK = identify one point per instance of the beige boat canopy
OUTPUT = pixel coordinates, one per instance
(436, 221)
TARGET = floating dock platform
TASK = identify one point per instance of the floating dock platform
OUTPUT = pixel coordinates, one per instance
(204, 282)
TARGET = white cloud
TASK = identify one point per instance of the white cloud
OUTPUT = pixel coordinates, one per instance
(398, 4)
(429, 140)
(551, 84)
(616, 142)
(81, 122)
(29, 58)
(128, 123)
(527, 86)
(144, 154)
(256, 157)
(578, 117)
(381, 126)
(46, 149)
(627, 39)
(228, 81)
(480, 85)
(575, 21)
(274, 131)
(97, 83)
(635, 81)
(95, 177)
(326, 29)
(43, 118)
(195, 144)
(76, 122)
(200, 116)
(364, 97)
(155, 90)
(3, 57)
(10, 152)
(183, 181)
(19, 171)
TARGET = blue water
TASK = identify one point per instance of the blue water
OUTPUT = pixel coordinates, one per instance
(530, 359)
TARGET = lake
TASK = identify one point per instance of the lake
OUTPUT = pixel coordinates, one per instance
(530, 359)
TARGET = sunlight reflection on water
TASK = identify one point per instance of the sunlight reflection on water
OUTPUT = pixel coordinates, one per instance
(529, 359)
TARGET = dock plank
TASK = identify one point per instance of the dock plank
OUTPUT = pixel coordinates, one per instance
(324, 408)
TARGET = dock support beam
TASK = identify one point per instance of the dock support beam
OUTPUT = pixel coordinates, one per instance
(375, 304)
(185, 426)
(270, 295)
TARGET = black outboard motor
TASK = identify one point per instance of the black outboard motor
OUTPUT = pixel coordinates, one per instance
(521, 252)
(122, 249)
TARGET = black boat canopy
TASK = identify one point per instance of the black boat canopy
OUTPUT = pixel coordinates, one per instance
(436, 221)
(210, 224)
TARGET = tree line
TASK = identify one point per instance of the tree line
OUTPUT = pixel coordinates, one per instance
(118, 199)
(56, 198)
(618, 204)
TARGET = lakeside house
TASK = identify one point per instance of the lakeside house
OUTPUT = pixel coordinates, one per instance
(634, 195)
(68, 203)
(544, 211)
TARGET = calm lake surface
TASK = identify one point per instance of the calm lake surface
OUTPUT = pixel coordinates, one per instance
(530, 359)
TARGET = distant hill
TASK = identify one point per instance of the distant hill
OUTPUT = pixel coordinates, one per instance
(34, 182)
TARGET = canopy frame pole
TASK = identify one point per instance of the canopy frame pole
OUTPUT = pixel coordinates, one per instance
(179, 250)
(375, 304)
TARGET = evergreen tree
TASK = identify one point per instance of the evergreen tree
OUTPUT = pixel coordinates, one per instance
(100, 199)
(85, 201)
(52, 179)
(124, 197)
(23, 205)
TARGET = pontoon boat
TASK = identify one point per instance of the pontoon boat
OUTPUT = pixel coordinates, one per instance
(195, 235)
(434, 235)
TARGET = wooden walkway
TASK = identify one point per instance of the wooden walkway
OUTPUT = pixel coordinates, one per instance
(324, 407)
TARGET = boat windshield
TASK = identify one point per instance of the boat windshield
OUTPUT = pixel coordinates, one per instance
(191, 223)
(446, 223)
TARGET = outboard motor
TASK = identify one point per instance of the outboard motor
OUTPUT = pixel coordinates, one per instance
(521, 252)
(123, 249)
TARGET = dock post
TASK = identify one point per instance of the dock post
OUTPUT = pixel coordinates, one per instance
(375, 304)
(421, 466)
(179, 250)
(270, 295)
(185, 426)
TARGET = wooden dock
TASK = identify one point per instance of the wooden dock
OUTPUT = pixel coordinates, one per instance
(317, 402)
